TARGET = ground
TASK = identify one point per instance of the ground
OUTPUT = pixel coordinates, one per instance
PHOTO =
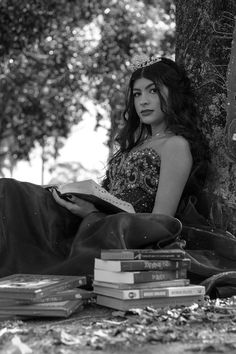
(209, 328)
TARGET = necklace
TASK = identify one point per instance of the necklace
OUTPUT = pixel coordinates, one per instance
(147, 140)
(157, 134)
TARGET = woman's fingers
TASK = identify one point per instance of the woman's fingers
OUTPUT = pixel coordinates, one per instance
(60, 200)
(76, 205)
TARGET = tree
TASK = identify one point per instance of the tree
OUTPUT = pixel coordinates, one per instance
(55, 53)
(37, 95)
(204, 33)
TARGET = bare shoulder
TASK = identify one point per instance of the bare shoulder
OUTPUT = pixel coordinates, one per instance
(176, 143)
(176, 150)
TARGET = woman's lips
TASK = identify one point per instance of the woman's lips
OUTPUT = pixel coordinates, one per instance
(147, 112)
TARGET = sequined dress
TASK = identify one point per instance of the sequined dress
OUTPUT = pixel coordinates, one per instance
(134, 177)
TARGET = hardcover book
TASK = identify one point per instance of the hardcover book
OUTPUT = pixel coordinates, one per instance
(135, 254)
(48, 309)
(57, 296)
(133, 265)
(138, 277)
(126, 305)
(91, 191)
(150, 293)
(148, 285)
(70, 294)
(36, 286)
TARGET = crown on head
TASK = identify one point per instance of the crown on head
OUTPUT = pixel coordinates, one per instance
(142, 60)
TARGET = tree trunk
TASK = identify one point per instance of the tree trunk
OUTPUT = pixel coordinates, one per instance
(204, 33)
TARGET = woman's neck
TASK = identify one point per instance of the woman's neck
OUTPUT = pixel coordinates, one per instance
(158, 130)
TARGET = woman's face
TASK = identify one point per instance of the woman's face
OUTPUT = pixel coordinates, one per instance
(147, 103)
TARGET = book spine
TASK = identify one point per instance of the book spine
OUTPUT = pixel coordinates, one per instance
(141, 294)
(161, 256)
(125, 266)
(140, 256)
(186, 291)
(153, 293)
(138, 277)
(159, 275)
(147, 285)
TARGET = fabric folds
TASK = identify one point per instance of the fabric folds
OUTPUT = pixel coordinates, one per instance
(39, 236)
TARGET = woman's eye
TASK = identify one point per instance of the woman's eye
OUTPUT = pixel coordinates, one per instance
(153, 90)
(136, 94)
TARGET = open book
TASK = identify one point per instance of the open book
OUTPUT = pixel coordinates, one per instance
(94, 193)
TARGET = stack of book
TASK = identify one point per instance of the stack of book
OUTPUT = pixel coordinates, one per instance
(34, 295)
(126, 279)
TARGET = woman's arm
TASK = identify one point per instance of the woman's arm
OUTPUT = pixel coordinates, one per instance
(176, 163)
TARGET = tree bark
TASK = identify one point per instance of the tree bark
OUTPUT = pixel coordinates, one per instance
(204, 33)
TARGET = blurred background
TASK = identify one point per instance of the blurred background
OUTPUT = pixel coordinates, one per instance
(63, 74)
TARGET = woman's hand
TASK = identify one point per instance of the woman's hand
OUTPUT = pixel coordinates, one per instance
(76, 205)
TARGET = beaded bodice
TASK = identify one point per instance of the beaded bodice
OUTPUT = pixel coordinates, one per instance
(134, 177)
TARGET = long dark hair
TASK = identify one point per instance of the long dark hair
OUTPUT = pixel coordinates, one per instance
(180, 108)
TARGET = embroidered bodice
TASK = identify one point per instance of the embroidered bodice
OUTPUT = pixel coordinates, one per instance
(134, 177)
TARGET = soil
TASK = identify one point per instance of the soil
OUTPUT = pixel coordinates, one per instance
(207, 328)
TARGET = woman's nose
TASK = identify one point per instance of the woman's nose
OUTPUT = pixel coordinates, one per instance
(143, 99)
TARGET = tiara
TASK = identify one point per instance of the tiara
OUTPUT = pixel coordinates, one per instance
(143, 60)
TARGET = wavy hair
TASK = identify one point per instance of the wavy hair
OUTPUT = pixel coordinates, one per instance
(179, 108)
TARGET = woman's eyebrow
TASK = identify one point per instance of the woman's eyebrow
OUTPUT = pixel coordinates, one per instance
(147, 87)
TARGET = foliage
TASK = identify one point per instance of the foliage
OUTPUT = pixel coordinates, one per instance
(56, 53)
(206, 328)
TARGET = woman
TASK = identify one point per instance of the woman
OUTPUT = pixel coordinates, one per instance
(160, 168)
(160, 145)
(160, 136)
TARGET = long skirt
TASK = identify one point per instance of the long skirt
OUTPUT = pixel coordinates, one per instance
(37, 235)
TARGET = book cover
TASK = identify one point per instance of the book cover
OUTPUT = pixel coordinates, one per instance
(150, 293)
(91, 191)
(49, 309)
(70, 294)
(132, 265)
(126, 305)
(138, 277)
(137, 254)
(57, 296)
(35, 286)
(147, 285)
